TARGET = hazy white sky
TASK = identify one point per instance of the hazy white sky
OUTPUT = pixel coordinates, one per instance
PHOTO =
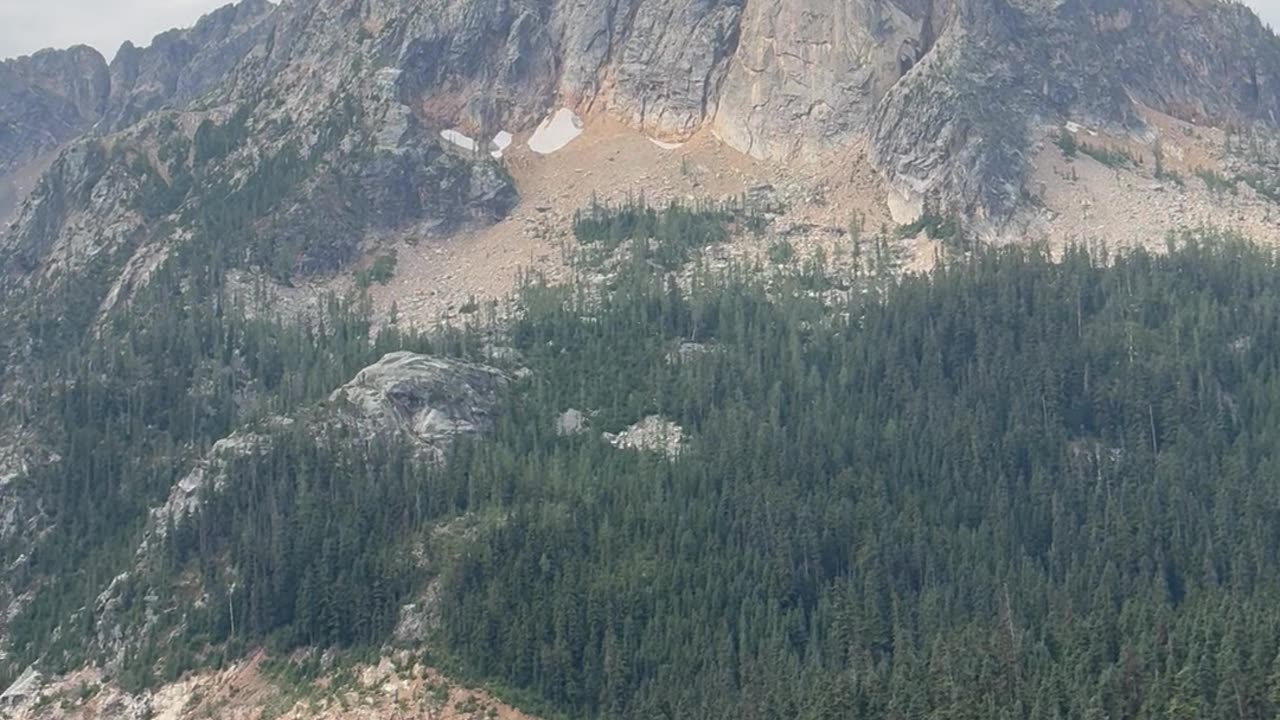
(1269, 10)
(28, 25)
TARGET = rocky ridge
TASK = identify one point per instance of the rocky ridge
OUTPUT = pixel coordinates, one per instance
(328, 112)
(46, 99)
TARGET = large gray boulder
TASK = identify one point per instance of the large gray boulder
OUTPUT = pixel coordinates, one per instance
(431, 400)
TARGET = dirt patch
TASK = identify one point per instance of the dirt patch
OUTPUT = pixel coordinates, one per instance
(827, 203)
(449, 278)
(1084, 200)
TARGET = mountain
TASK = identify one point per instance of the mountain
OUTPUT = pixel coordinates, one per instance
(46, 100)
(339, 105)
(640, 358)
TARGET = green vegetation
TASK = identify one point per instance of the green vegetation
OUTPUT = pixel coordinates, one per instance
(1265, 184)
(1111, 157)
(667, 238)
(1066, 142)
(215, 141)
(935, 226)
(1216, 182)
(127, 408)
(1018, 487)
(829, 549)
(781, 252)
(381, 271)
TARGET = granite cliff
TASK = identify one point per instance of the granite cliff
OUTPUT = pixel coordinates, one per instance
(337, 105)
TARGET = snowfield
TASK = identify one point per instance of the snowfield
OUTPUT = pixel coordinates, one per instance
(556, 132)
(457, 138)
(500, 143)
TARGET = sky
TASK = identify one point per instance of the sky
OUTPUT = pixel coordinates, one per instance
(28, 25)
(1269, 11)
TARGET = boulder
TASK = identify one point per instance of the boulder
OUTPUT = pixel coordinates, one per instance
(433, 400)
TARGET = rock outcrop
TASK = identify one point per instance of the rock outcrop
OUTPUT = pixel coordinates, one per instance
(571, 422)
(652, 434)
(431, 400)
(180, 66)
(954, 129)
(46, 100)
(422, 401)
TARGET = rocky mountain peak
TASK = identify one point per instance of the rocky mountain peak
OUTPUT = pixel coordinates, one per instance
(181, 65)
(46, 99)
(338, 105)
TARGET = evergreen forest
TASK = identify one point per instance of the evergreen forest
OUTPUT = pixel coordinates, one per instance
(1026, 485)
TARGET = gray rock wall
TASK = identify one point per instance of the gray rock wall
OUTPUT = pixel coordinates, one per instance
(945, 93)
(46, 100)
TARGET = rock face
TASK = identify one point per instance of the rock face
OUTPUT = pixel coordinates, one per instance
(808, 75)
(433, 400)
(954, 128)
(25, 687)
(45, 100)
(326, 114)
(285, 126)
(652, 434)
(181, 65)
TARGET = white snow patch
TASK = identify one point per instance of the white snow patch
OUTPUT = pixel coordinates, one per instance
(462, 141)
(666, 145)
(556, 132)
(1073, 127)
(501, 142)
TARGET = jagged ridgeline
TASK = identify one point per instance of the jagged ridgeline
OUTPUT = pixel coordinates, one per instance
(1018, 487)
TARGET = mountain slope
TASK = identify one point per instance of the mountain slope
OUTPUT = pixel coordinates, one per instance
(868, 477)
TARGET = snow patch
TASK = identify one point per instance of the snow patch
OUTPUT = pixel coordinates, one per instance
(457, 138)
(501, 142)
(556, 132)
(666, 145)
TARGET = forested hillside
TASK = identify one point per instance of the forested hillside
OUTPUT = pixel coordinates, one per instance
(1019, 487)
